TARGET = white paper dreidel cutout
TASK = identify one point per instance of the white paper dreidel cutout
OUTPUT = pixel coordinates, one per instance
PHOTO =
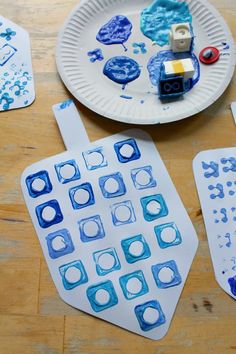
(16, 74)
(215, 175)
(117, 239)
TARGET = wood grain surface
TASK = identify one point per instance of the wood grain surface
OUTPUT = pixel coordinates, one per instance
(33, 319)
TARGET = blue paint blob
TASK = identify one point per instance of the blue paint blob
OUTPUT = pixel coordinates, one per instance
(232, 283)
(155, 65)
(95, 55)
(116, 31)
(122, 70)
(157, 19)
(139, 48)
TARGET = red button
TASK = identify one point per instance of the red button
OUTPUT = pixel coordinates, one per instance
(209, 55)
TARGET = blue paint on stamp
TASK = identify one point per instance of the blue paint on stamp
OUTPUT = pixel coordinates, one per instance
(140, 311)
(127, 150)
(166, 275)
(168, 235)
(73, 274)
(67, 171)
(123, 213)
(102, 296)
(133, 285)
(82, 196)
(135, 249)
(106, 261)
(91, 229)
(38, 184)
(59, 243)
(49, 214)
(142, 177)
(154, 207)
(112, 185)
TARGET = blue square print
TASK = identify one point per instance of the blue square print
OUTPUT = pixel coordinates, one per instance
(123, 213)
(135, 249)
(73, 274)
(143, 178)
(59, 244)
(67, 171)
(112, 185)
(38, 184)
(82, 196)
(127, 150)
(102, 296)
(91, 229)
(49, 214)
(168, 235)
(106, 261)
(154, 207)
(95, 159)
(166, 275)
(150, 315)
(133, 285)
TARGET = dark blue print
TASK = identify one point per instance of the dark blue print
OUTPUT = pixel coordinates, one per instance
(38, 184)
(123, 213)
(73, 274)
(231, 164)
(144, 323)
(59, 244)
(219, 188)
(212, 169)
(94, 159)
(142, 178)
(6, 53)
(154, 207)
(166, 275)
(133, 285)
(122, 70)
(135, 249)
(102, 296)
(112, 185)
(49, 214)
(95, 55)
(232, 284)
(82, 196)
(127, 150)
(67, 171)
(8, 34)
(106, 261)
(116, 31)
(168, 235)
(91, 229)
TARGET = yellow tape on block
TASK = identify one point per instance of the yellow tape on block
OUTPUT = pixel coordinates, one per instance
(178, 67)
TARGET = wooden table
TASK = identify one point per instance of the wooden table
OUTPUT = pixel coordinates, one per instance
(33, 319)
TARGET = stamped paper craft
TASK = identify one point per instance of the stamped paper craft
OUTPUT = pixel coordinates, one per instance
(16, 74)
(116, 237)
(215, 174)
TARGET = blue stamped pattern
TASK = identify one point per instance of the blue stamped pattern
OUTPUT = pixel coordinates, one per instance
(73, 275)
(8, 34)
(112, 185)
(59, 243)
(95, 159)
(150, 315)
(6, 53)
(49, 214)
(142, 177)
(168, 235)
(82, 196)
(166, 275)
(154, 207)
(212, 169)
(135, 249)
(38, 184)
(231, 164)
(133, 285)
(127, 151)
(220, 191)
(102, 296)
(67, 171)
(91, 229)
(123, 213)
(106, 261)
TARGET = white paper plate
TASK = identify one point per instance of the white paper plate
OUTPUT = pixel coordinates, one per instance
(86, 81)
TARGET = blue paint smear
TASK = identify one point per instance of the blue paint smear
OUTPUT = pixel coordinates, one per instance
(95, 55)
(155, 64)
(122, 69)
(116, 31)
(126, 97)
(157, 19)
(66, 104)
(232, 283)
(139, 48)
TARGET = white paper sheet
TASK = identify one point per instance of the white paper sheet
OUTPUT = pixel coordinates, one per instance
(233, 108)
(126, 242)
(16, 74)
(215, 175)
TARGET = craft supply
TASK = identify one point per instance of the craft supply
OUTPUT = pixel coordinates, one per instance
(114, 232)
(183, 67)
(215, 175)
(209, 55)
(16, 74)
(181, 37)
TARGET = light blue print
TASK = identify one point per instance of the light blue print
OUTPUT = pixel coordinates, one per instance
(102, 296)
(73, 274)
